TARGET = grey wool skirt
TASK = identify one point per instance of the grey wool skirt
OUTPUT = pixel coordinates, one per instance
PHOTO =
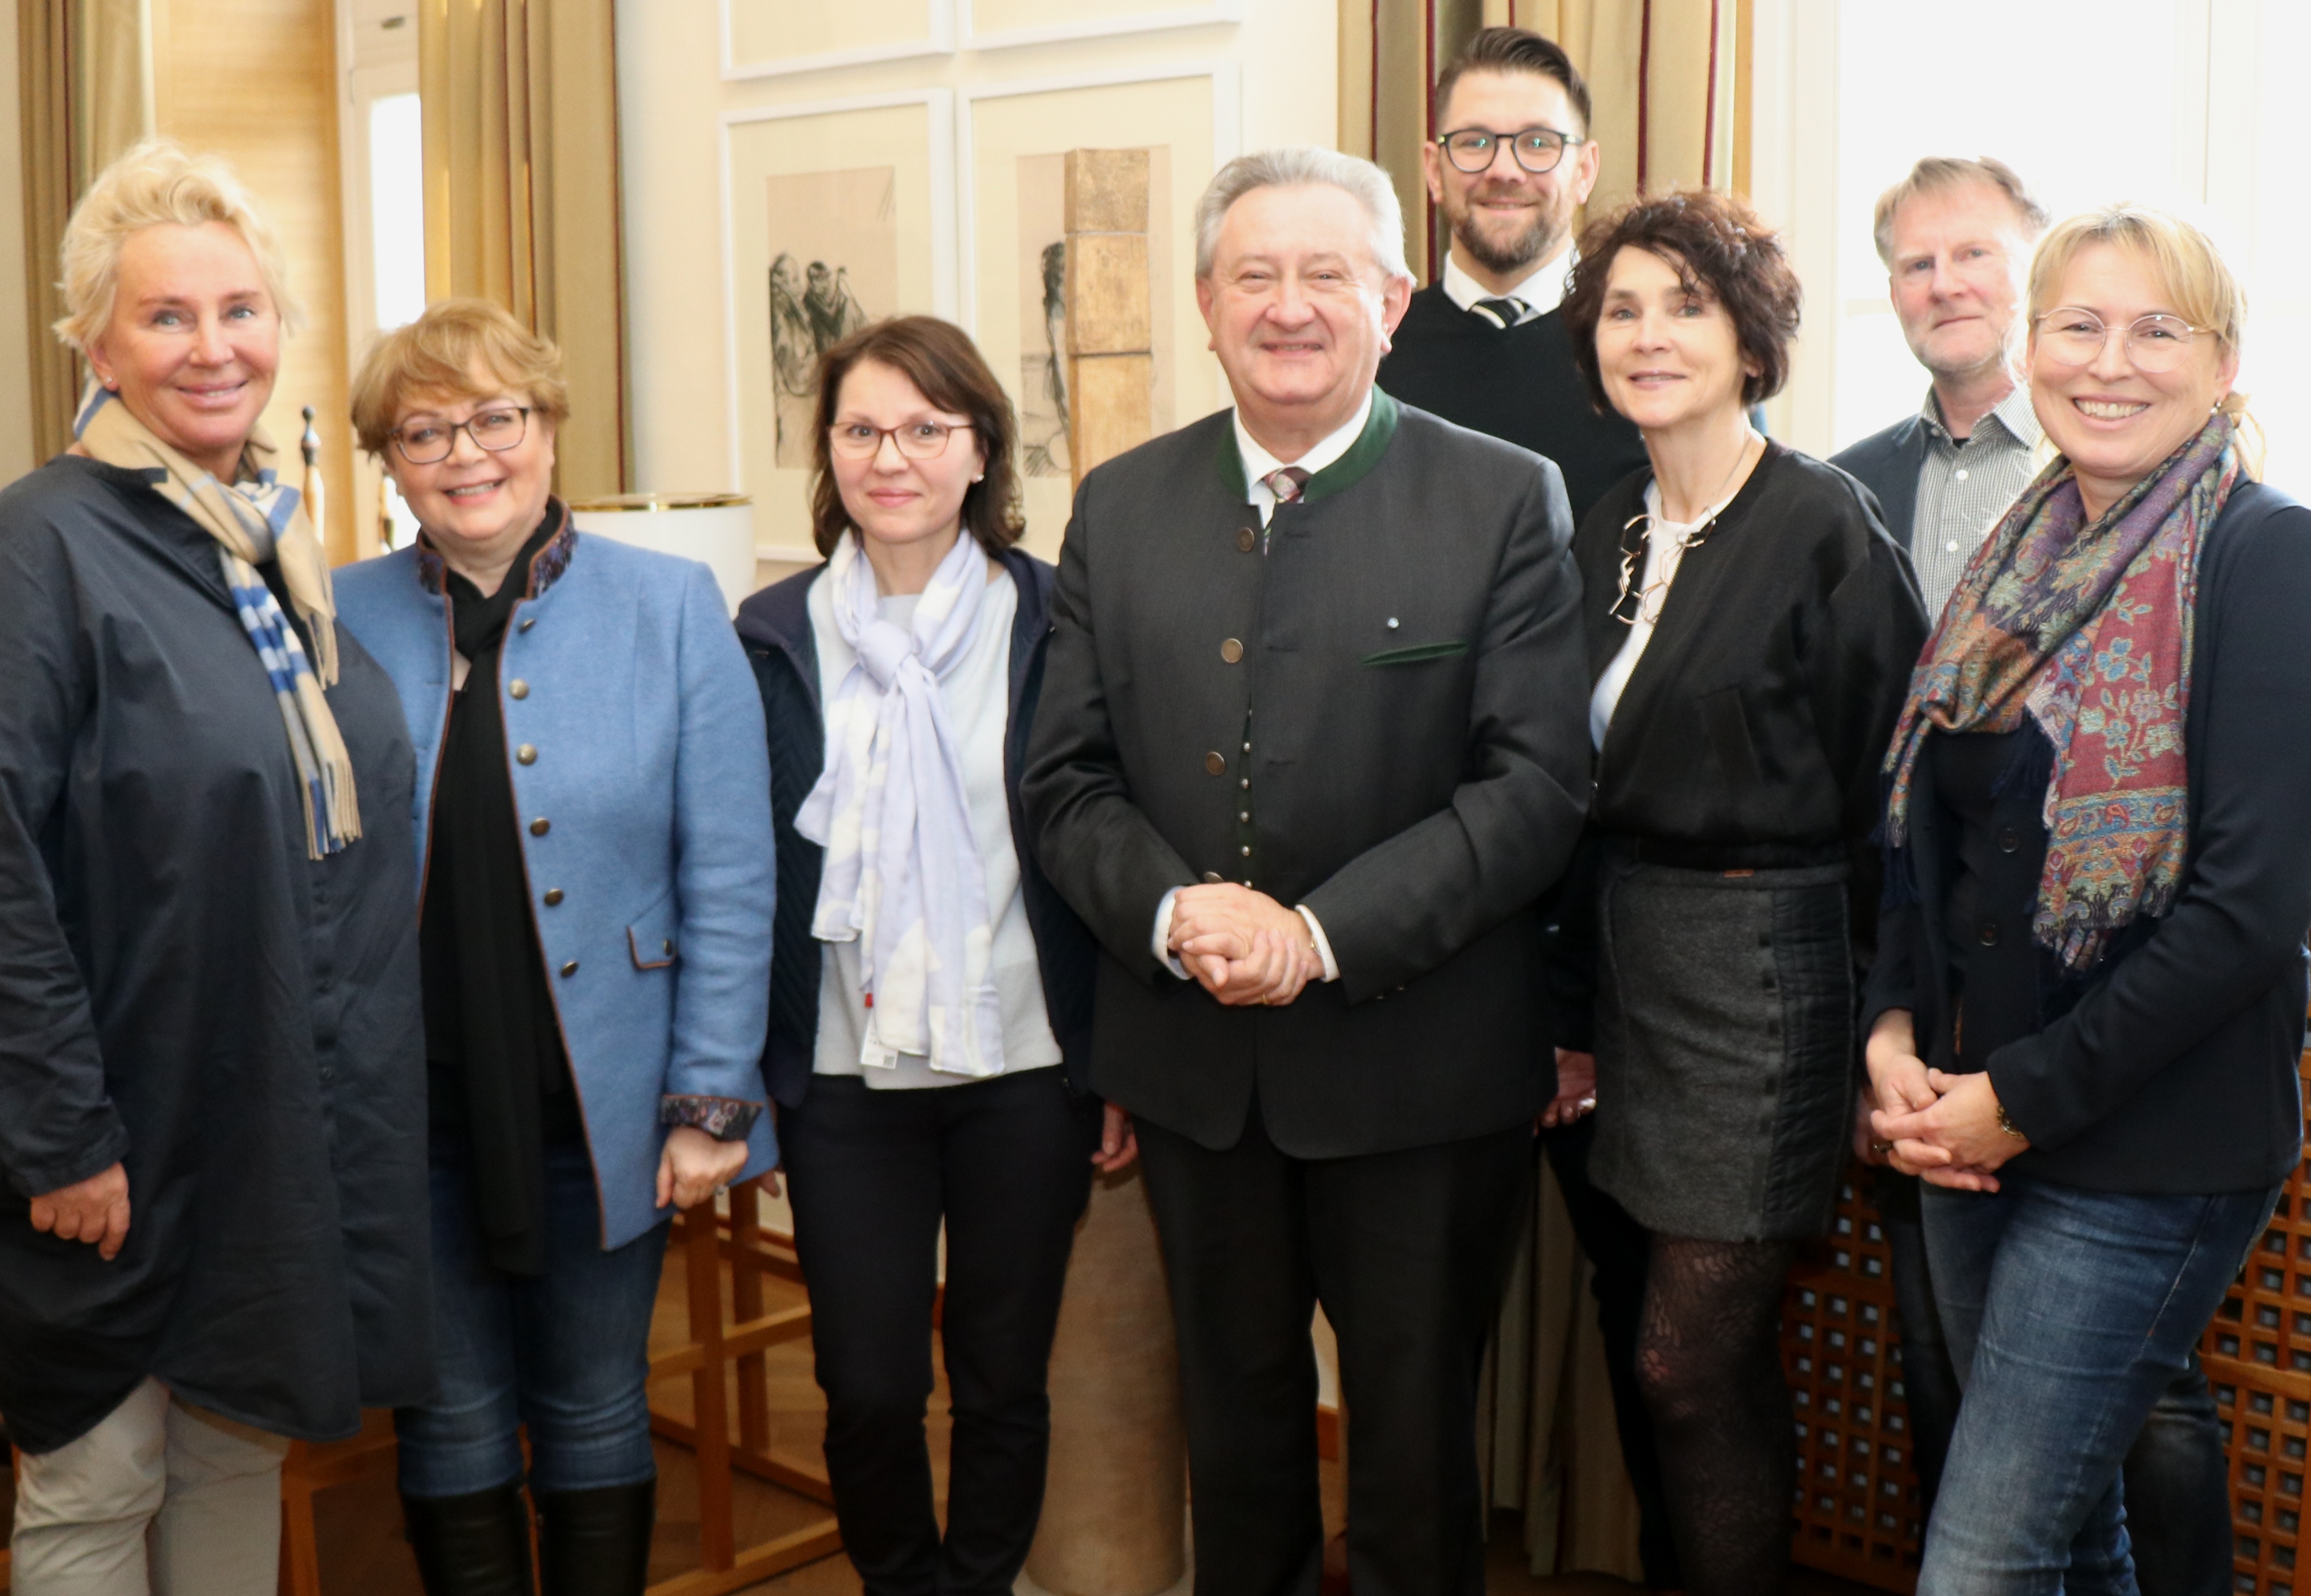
(1725, 1048)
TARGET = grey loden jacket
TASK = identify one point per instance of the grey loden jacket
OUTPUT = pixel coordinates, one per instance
(1410, 642)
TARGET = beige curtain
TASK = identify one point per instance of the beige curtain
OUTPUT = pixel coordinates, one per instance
(84, 95)
(1545, 1433)
(1669, 79)
(521, 196)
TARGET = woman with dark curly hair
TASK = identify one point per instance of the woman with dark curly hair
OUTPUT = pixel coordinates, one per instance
(1751, 628)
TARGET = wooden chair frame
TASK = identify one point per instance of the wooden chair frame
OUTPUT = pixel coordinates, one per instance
(708, 1241)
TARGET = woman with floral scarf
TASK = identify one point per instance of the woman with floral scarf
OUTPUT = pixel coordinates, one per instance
(2084, 1022)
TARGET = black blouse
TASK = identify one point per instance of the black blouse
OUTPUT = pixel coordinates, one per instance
(498, 1073)
(1750, 733)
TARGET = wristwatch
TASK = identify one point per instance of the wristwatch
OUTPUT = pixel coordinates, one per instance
(2006, 1124)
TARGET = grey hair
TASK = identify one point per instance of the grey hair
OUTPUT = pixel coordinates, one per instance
(1299, 166)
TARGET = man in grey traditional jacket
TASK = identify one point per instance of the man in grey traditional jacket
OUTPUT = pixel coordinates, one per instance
(1311, 743)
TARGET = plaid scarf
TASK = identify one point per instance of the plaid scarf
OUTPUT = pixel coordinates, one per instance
(253, 521)
(2085, 630)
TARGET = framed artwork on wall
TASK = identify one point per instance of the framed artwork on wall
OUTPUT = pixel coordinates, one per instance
(770, 38)
(995, 24)
(834, 214)
(1014, 139)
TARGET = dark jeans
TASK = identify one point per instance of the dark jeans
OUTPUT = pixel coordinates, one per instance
(1407, 1252)
(1616, 1247)
(2178, 1514)
(2069, 1312)
(1005, 1163)
(566, 1355)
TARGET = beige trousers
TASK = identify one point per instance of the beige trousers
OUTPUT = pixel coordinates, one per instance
(160, 1499)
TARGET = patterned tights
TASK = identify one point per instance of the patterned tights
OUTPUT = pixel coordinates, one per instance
(1711, 1370)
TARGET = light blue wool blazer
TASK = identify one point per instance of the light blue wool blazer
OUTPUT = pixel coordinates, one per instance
(646, 828)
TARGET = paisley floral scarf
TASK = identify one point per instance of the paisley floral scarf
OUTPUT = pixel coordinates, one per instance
(2085, 630)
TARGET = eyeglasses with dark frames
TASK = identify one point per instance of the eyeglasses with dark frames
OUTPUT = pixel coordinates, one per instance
(496, 430)
(1538, 150)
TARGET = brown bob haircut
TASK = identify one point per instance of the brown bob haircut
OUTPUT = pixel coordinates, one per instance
(459, 349)
(1720, 252)
(947, 367)
(1513, 50)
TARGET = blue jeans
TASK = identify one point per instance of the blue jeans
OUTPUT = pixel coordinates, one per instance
(2067, 1312)
(566, 1354)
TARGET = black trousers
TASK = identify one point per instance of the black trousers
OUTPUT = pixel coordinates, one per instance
(1617, 1247)
(1006, 1164)
(1406, 1251)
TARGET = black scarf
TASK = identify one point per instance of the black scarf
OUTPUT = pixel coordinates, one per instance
(497, 1069)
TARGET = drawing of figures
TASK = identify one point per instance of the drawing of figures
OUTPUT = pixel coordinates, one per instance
(834, 267)
(803, 327)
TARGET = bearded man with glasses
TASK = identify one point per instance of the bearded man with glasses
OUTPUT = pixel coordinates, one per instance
(1484, 346)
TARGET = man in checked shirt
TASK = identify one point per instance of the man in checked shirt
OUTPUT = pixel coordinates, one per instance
(1956, 237)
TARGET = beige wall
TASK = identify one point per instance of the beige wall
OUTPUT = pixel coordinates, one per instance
(672, 97)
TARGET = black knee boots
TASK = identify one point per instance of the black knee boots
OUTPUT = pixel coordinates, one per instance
(590, 1543)
(476, 1545)
(596, 1542)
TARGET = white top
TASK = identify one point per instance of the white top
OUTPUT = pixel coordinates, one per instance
(977, 698)
(1666, 542)
(1540, 293)
(1257, 462)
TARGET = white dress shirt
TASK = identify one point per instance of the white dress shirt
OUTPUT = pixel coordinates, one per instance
(1259, 463)
(1540, 293)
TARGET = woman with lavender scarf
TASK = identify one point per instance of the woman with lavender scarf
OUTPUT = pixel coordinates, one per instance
(2085, 1018)
(931, 1005)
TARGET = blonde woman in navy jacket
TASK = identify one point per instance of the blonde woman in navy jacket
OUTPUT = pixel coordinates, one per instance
(594, 878)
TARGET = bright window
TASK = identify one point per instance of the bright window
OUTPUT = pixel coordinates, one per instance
(2192, 105)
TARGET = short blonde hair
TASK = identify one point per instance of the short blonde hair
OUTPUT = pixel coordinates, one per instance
(1937, 174)
(439, 356)
(2191, 272)
(158, 183)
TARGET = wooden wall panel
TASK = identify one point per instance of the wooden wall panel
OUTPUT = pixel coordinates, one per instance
(255, 81)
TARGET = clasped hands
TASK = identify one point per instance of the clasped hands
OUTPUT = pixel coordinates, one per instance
(1243, 946)
(1942, 1128)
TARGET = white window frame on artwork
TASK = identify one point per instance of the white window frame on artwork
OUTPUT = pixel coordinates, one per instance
(1228, 143)
(940, 118)
(1156, 19)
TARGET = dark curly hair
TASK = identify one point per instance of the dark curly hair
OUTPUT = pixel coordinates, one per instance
(1721, 251)
(947, 367)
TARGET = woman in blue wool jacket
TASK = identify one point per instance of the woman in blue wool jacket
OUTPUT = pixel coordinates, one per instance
(595, 879)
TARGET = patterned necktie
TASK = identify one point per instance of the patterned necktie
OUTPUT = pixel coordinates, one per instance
(1286, 482)
(1503, 314)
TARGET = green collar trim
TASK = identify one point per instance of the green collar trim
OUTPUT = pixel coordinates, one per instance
(1344, 473)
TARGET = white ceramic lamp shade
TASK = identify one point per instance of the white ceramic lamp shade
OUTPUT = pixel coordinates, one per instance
(715, 528)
